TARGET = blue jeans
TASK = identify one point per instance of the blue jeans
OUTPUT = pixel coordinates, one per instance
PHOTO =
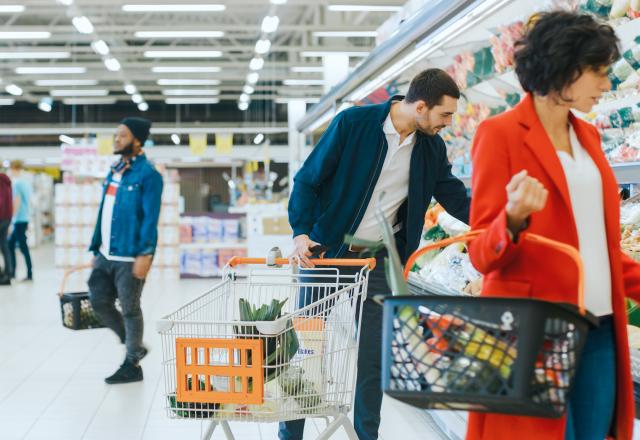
(368, 398)
(19, 238)
(593, 396)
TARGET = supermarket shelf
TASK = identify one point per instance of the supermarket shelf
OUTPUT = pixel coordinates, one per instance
(221, 245)
(627, 172)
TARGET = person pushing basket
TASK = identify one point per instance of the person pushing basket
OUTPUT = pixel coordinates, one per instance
(559, 185)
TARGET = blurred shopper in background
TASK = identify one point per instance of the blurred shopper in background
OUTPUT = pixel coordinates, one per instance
(124, 242)
(21, 189)
(6, 212)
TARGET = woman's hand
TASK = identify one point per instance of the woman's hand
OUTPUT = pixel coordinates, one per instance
(525, 196)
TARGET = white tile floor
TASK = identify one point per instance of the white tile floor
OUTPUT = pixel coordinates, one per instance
(51, 378)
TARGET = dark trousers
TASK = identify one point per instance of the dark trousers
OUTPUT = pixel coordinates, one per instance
(593, 396)
(19, 237)
(4, 248)
(114, 279)
(368, 398)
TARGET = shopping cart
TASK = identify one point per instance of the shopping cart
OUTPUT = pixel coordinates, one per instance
(75, 307)
(486, 354)
(220, 366)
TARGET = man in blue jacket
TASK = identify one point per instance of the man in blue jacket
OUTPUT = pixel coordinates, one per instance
(124, 242)
(391, 148)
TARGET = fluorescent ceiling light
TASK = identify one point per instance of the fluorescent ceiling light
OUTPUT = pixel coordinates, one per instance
(297, 98)
(185, 69)
(143, 106)
(345, 34)
(174, 8)
(270, 24)
(130, 89)
(188, 82)
(33, 55)
(65, 2)
(179, 34)
(278, 2)
(137, 98)
(320, 53)
(248, 90)
(65, 82)
(364, 8)
(11, 9)
(256, 63)
(303, 82)
(13, 89)
(243, 106)
(253, 77)
(100, 47)
(78, 92)
(307, 69)
(49, 70)
(45, 105)
(258, 139)
(175, 139)
(88, 101)
(263, 46)
(191, 92)
(82, 25)
(24, 35)
(67, 139)
(244, 98)
(7, 101)
(176, 101)
(112, 64)
(182, 53)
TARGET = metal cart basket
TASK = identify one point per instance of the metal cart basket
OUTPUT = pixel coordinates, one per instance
(221, 368)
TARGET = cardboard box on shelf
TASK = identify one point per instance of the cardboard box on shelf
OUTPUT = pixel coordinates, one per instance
(276, 226)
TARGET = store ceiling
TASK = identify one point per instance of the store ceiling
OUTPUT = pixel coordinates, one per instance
(217, 61)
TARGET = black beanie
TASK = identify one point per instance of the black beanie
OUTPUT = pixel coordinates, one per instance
(139, 127)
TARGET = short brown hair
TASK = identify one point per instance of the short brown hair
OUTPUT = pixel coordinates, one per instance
(16, 165)
(431, 86)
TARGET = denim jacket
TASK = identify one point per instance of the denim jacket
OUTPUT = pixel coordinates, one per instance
(134, 226)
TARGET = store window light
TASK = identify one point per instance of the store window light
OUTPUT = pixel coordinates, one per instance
(248, 89)
(82, 25)
(13, 89)
(256, 63)
(100, 47)
(244, 98)
(11, 9)
(143, 106)
(66, 139)
(175, 139)
(112, 64)
(45, 105)
(253, 77)
(263, 46)
(130, 89)
(243, 106)
(137, 98)
(270, 24)
(258, 139)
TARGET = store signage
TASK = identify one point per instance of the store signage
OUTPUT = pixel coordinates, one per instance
(224, 144)
(198, 143)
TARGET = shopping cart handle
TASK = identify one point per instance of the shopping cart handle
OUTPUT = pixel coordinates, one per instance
(370, 262)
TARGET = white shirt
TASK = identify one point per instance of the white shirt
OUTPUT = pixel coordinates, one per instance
(585, 188)
(393, 181)
(107, 216)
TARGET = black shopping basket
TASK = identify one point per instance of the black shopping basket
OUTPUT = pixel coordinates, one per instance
(501, 355)
(75, 307)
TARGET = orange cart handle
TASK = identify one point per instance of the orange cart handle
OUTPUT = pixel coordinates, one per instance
(370, 262)
(470, 236)
(68, 273)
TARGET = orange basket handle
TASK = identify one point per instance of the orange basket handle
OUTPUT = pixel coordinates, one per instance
(534, 238)
(68, 273)
(370, 262)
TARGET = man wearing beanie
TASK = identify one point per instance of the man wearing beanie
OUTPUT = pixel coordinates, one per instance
(124, 242)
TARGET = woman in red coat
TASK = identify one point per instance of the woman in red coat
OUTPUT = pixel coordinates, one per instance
(537, 168)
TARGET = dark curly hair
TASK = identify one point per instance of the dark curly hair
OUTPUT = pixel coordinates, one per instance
(559, 46)
(431, 86)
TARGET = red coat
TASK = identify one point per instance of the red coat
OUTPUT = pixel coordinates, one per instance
(503, 146)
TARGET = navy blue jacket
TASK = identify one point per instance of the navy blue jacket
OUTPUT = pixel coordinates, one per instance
(334, 186)
(134, 225)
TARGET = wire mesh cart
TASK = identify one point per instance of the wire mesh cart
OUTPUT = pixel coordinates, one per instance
(271, 347)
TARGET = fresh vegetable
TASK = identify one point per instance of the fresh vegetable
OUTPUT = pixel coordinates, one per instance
(193, 410)
(294, 384)
(277, 350)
